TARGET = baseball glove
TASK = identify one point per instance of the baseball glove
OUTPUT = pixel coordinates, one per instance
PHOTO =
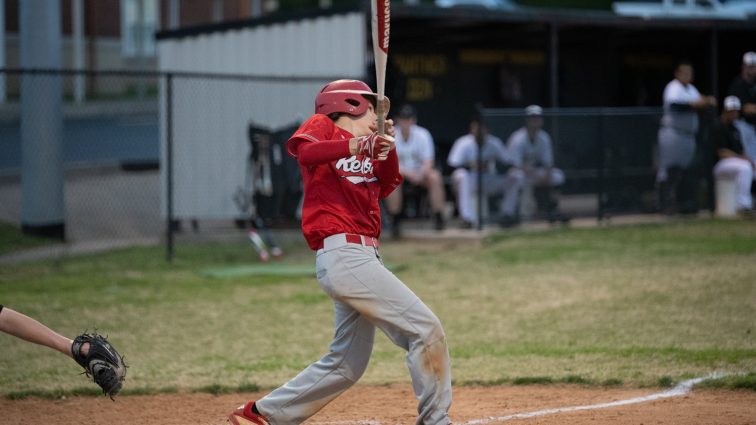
(102, 363)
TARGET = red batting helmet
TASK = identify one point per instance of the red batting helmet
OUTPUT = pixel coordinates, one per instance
(344, 96)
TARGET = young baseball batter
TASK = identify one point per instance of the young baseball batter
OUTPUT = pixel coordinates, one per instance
(347, 168)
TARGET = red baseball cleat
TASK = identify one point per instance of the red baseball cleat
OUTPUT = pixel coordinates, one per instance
(244, 416)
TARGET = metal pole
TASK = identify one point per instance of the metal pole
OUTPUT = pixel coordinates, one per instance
(42, 177)
(554, 82)
(77, 12)
(714, 62)
(217, 10)
(601, 165)
(2, 50)
(256, 8)
(554, 65)
(480, 142)
(169, 164)
(174, 14)
(141, 46)
(480, 184)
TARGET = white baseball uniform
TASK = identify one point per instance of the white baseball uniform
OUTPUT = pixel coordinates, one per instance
(415, 150)
(738, 169)
(536, 154)
(748, 138)
(462, 154)
(677, 134)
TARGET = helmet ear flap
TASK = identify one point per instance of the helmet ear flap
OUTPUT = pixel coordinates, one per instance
(352, 102)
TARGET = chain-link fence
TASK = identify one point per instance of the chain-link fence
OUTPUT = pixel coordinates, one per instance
(216, 144)
(147, 156)
(608, 155)
(108, 152)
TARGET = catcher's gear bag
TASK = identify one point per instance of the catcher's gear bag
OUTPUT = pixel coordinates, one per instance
(102, 363)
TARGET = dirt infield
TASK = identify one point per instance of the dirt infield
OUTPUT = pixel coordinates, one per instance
(395, 404)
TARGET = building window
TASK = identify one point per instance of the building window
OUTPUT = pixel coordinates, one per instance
(139, 21)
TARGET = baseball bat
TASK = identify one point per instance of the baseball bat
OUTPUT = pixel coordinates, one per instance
(381, 26)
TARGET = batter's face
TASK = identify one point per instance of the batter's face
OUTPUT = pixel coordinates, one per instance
(361, 125)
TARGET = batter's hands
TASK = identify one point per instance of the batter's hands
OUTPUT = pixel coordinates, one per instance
(388, 126)
(375, 146)
(389, 138)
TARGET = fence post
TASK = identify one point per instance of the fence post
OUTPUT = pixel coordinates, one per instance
(480, 139)
(43, 204)
(2, 51)
(79, 86)
(601, 165)
(169, 164)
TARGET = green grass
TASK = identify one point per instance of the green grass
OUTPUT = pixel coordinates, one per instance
(11, 239)
(639, 306)
(736, 382)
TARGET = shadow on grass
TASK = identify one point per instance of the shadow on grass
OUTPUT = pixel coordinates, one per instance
(542, 380)
(85, 392)
(214, 389)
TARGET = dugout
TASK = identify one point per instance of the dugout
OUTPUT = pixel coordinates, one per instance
(444, 61)
(447, 60)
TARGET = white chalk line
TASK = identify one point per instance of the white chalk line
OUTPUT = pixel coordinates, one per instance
(679, 390)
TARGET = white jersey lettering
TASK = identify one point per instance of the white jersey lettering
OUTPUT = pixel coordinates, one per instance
(353, 165)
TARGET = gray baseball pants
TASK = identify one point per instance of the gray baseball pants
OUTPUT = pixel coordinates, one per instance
(366, 296)
(466, 183)
(676, 148)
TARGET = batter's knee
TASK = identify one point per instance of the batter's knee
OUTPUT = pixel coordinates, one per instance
(353, 368)
(434, 352)
(432, 331)
(357, 356)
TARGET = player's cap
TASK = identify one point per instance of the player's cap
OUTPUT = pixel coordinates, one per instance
(533, 110)
(749, 58)
(731, 103)
(407, 111)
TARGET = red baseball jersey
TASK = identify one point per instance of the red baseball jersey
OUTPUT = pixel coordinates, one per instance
(340, 196)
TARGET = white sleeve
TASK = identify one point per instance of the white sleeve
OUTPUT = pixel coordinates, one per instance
(675, 92)
(548, 152)
(457, 153)
(694, 93)
(502, 155)
(514, 148)
(672, 92)
(428, 152)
